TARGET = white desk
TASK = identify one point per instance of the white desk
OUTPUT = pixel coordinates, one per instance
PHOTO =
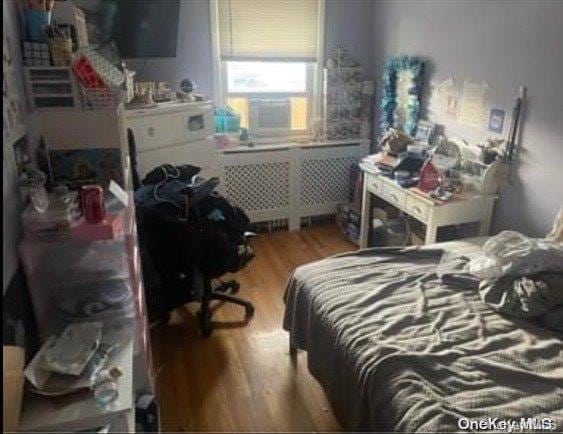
(476, 208)
(79, 411)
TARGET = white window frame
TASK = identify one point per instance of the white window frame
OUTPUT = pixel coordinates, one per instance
(314, 73)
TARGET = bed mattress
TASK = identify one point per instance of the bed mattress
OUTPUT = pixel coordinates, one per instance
(395, 349)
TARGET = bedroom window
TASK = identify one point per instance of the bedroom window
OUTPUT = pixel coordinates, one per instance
(267, 61)
(272, 97)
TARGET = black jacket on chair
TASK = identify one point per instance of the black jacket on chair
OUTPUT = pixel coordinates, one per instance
(211, 238)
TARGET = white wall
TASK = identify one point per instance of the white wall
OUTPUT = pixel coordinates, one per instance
(349, 21)
(504, 44)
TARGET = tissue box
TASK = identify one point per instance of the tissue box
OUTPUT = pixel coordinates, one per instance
(110, 228)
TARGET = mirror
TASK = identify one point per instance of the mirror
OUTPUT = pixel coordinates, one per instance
(405, 80)
(402, 87)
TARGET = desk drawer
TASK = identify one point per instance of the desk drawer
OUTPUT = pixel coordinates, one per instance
(418, 208)
(394, 195)
(374, 185)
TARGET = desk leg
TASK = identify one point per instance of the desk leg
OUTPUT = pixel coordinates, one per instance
(124, 423)
(364, 221)
(485, 225)
(431, 232)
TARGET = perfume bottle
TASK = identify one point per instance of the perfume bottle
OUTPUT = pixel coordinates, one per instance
(106, 387)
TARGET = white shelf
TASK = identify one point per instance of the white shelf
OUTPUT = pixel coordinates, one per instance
(58, 68)
(47, 81)
(79, 411)
(52, 95)
(281, 145)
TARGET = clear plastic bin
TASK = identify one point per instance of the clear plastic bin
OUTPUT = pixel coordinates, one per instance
(106, 301)
(74, 262)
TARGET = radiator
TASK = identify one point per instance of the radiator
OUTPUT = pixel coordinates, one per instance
(290, 182)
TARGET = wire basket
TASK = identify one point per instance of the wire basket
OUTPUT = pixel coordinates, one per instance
(95, 71)
(100, 99)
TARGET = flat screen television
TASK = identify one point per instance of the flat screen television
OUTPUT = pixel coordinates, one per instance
(139, 28)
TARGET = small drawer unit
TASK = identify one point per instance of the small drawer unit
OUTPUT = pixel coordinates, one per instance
(52, 88)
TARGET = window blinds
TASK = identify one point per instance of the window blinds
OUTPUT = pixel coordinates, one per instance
(268, 29)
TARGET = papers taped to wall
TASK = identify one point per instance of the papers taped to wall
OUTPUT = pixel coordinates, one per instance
(472, 104)
(444, 100)
(456, 100)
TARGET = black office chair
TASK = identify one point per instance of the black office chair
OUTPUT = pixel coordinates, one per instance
(174, 276)
(170, 286)
(225, 293)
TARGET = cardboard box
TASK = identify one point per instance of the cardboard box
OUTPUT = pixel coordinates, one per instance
(13, 380)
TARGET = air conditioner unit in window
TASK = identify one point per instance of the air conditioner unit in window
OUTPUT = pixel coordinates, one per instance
(270, 117)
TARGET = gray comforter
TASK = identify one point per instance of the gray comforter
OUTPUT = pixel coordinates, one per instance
(396, 349)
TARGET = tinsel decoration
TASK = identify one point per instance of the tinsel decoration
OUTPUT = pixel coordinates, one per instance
(389, 89)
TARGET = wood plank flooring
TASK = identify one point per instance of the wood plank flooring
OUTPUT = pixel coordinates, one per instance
(241, 377)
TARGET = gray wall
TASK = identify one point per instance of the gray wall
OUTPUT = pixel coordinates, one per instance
(349, 21)
(504, 44)
(10, 190)
(193, 59)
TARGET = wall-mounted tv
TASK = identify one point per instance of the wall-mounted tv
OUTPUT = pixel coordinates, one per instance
(139, 28)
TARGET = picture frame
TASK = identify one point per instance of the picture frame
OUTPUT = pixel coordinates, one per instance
(496, 120)
(402, 89)
(424, 132)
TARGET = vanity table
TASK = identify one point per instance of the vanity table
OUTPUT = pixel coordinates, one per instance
(433, 213)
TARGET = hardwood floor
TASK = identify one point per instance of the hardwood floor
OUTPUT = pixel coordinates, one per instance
(241, 377)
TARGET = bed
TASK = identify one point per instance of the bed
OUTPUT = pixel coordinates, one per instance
(395, 349)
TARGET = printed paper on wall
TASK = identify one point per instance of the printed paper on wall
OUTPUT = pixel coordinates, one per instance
(472, 104)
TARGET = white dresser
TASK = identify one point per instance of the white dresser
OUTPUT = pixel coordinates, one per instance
(433, 213)
(176, 133)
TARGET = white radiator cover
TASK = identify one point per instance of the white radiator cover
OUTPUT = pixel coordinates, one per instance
(289, 182)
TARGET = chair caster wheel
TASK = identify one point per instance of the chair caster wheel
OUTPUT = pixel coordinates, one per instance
(204, 323)
(236, 287)
(249, 311)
